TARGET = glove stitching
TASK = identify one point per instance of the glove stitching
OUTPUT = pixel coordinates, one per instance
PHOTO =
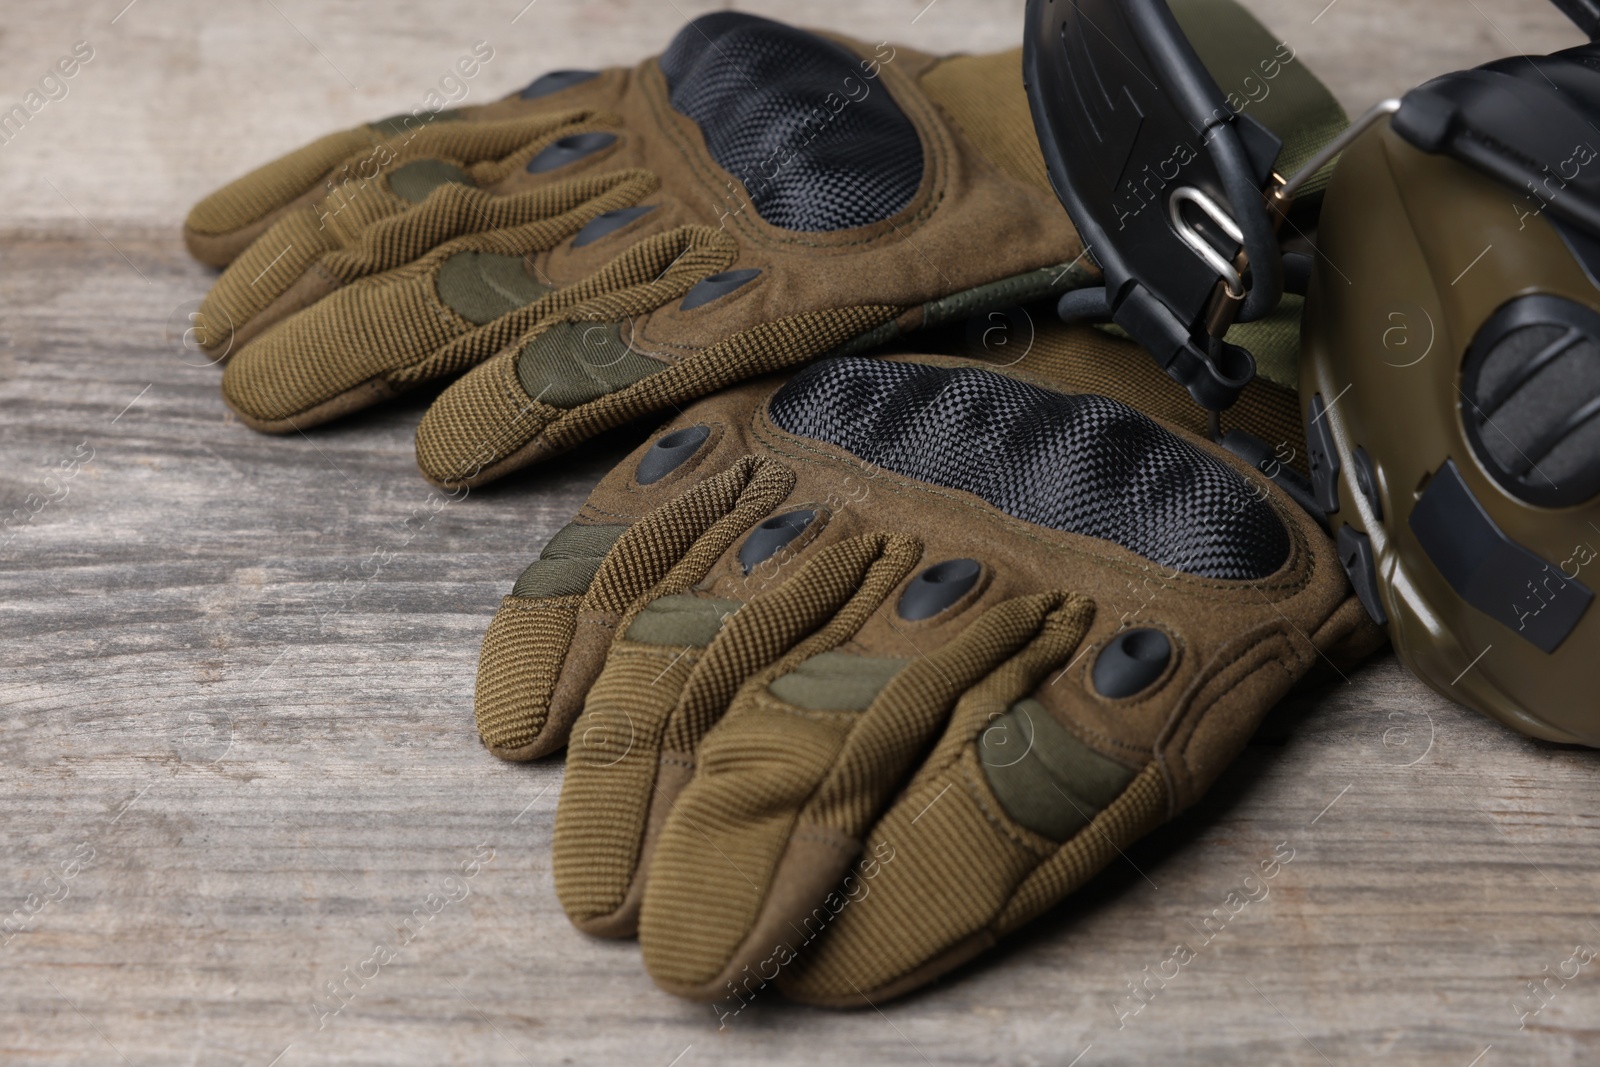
(508, 382)
(327, 275)
(531, 605)
(840, 843)
(594, 509)
(1271, 637)
(1004, 824)
(1186, 713)
(826, 716)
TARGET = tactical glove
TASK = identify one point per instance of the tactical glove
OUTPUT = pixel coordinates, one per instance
(606, 245)
(885, 660)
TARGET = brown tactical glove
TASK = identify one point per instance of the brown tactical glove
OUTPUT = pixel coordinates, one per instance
(886, 659)
(607, 245)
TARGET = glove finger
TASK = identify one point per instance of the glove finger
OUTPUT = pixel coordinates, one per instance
(548, 641)
(578, 373)
(792, 777)
(224, 223)
(436, 317)
(381, 209)
(667, 680)
(543, 397)
(1009, 814)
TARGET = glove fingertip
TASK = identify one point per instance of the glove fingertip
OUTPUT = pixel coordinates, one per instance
(479, 426)
(518, 670)
(223, 224)
(214, 250)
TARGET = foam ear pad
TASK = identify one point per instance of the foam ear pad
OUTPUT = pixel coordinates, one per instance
(818, 144)
(1081, 463)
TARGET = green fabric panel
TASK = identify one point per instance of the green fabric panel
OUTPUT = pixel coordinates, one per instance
(415, 180)
(1274, 341)
(680, 620)
(1296, 106)
(836, 681)
(577, 541)
(1045, 778)
(572, 363)
(568, 563)
(556, 577)
(482, 286)
(398, 125)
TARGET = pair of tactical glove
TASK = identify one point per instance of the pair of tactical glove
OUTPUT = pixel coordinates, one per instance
(860, 666)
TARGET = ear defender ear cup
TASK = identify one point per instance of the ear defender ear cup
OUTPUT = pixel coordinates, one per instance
(1450, 375)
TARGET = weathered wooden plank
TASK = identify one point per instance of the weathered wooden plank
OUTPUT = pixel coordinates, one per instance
(236, 752)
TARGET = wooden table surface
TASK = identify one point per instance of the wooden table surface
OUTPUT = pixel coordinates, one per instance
(235, 754)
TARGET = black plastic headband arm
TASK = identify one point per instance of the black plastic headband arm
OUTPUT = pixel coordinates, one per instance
(1585, 14)
(1527, 121)
(1127, 115)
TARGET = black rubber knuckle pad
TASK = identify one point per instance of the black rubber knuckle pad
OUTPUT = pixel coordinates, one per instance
(767, 100)
(570, 149)
(937, 588)
(1131, 663)
(556, 81)
(1082, 463)
(716, 287)
(609, 223)
(670, 452)
(770, 538)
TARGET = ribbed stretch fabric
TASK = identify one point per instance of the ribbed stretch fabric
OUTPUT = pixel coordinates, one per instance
(1082, 463)
(818, 144)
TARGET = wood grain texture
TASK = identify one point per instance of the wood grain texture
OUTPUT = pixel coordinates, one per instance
(236, 751)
